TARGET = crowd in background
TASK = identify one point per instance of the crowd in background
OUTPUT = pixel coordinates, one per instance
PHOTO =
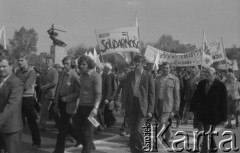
(72, 93)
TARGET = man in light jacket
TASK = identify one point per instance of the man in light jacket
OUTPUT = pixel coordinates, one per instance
(167, 97)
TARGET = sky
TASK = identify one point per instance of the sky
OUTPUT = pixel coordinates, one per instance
(184, 20)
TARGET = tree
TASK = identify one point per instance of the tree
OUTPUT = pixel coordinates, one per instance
(167, 43)
(36, 60)
(24, 40)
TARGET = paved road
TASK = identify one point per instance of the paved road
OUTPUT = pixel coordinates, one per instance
(107, 142)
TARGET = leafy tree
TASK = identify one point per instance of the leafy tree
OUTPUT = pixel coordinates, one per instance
(167, 43)
(36, 60)
(24, 40)
(233, 53)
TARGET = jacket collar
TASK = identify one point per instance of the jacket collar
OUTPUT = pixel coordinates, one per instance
(25, 69)
(6, 79)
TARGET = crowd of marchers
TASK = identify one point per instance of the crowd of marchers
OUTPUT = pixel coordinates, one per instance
(81, 89)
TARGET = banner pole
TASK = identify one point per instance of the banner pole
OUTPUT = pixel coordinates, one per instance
(99, 47)
(138, 32)
(202, 50)
(114, 54)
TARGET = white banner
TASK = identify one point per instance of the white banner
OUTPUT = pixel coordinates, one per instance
(118, 40)
(216, 51)
(184, 59)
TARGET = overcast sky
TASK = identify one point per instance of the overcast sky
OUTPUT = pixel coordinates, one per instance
(183, 19)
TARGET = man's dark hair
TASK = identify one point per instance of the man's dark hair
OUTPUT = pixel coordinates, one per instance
(90, 62)
(23, 55)
(49, 57)
(4, 57)
(140, 58)
(230, 70)
(166, 63)
(66, 59)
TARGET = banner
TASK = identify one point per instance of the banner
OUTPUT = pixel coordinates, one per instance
(118, 40)
(216, 50)
(192, 58)
(230, 65)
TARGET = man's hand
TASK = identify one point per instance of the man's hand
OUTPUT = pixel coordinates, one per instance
(106, 101)
(149, 115)
(176, 111)
(94, 112)
(43, 87)
(63, 99)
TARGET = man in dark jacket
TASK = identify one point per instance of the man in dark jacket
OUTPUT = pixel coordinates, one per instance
(138, 99)
(48, 83)
(11, 90)
(100, 114)
(110, 87)
(210, 104)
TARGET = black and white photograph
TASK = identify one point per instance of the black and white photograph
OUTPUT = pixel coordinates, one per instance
(119, 76)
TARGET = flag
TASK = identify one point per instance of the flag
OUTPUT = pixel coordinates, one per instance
(94, 52)
(205, 44)
(228, 61)
(86, 53)
(207, 60)
(3, 38)
(91, 55)
(96, 56)
(156, 62)
(136, 21)
(216, 51)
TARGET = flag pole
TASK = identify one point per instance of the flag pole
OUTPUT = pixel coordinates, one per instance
(99, 47)
(4, 39)
(136, 18)
(224, 54)
(202, 49)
